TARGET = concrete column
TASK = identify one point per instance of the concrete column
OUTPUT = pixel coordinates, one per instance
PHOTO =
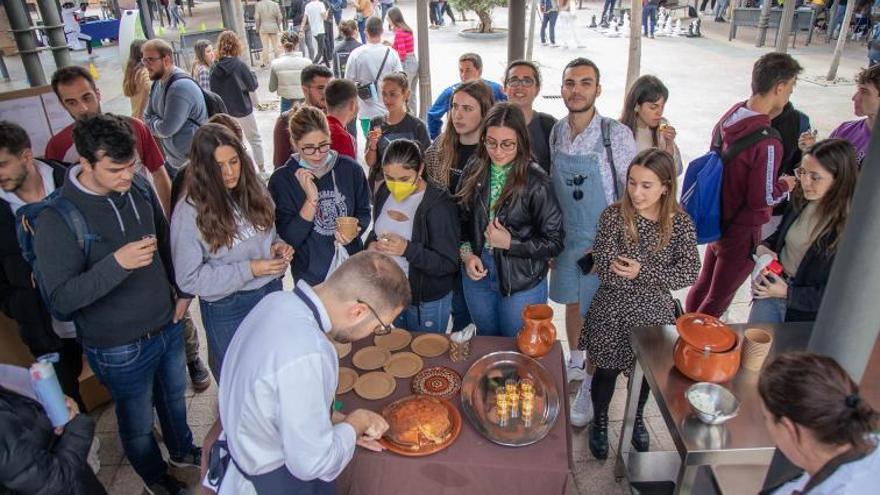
(634, 64)
(532, 14)
(20, 22)
(54, 32)
(146, 18)
(424, 54)
(763, 23)
(516, 27)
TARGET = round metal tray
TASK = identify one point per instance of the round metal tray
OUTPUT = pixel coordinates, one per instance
(478, 398)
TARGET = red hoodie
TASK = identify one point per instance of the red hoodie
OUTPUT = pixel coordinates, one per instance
(749, 190)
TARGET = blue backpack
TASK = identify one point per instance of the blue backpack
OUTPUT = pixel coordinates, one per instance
(26, 227)
(701, 191)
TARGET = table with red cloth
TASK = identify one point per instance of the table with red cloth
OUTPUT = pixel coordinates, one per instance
(473, 464)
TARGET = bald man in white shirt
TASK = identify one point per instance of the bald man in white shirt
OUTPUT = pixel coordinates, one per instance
(279, 382)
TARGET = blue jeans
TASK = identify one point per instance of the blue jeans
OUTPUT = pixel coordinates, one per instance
(222, 318)
(438, 11)
(362, 23)
(608, 10)
(337, 16)
(385, 8)
(549, 20)
(649, 18)
(493, 313)
(770, 310)
(431, 316)
(461, 316)
(141, 375)
(286, 104)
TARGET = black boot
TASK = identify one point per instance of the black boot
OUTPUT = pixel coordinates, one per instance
(599, 436)
(641, 440)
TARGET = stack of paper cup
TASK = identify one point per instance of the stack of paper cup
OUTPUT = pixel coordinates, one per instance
(756, 347)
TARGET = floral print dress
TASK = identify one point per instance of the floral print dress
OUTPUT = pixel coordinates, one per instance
(621, 304)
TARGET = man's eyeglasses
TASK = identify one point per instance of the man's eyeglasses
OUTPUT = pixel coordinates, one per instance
(516, 82)
(577, 181)
(505, 145)
(382, 329)
(801, 173)
(150, 60)
(311, 150)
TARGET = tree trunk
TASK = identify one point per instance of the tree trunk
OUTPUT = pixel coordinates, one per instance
(485, 21)
(635, 43)
(841, 40)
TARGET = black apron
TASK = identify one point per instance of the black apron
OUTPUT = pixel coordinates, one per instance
(279, 481)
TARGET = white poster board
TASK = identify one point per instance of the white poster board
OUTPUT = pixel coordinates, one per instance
(38, 111)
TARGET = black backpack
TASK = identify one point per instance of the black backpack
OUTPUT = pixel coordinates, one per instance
(213, 103)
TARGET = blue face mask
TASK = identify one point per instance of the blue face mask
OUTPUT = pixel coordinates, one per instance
(308, 166)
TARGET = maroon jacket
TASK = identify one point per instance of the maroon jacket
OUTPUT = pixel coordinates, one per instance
(749, 189)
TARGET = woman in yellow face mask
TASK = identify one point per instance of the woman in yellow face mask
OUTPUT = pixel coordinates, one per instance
(424, 245)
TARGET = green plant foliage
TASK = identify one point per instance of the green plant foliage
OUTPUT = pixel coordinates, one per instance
(483, 9)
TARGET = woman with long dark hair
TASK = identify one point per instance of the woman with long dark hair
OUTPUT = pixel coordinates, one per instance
(816, 417)
(643, 114)
(234, 81)
(512, 225)
(316, 186)
(136, 82)
(646, 247)
(806, 241)
(203, 60)
(223, 239)
(416, 222)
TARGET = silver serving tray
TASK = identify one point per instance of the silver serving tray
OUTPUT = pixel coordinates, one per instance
(478, 398)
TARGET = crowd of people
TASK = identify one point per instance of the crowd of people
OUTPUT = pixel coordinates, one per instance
(461, 223)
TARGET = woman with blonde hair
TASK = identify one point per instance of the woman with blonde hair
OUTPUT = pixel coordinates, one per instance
(234, 82)
(136, 82)
(645, 247)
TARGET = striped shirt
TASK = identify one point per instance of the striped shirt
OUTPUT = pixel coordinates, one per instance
(404, 43)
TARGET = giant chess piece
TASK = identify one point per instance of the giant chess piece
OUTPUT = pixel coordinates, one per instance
(697, 24)
(593, 22)
(691, 30)
(625, 27)
(678, 29)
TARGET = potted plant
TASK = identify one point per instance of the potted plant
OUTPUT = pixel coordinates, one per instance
(483, 9)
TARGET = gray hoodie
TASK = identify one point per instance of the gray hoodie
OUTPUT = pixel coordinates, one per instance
(213, 276)
(175, 119)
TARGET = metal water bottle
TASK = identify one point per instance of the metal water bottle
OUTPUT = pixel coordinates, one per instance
(48, 390)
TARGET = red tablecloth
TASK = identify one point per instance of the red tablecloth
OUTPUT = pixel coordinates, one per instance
(473, 464)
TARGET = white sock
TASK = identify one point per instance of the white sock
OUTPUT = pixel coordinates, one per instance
(577, 359)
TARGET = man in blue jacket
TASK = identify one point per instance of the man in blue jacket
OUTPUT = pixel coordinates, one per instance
(470, 68)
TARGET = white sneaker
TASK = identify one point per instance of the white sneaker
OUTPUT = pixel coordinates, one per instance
(93, 459)
(575, 373)
(582, 407)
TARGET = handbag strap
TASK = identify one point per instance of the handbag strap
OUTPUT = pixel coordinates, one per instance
(387, 52)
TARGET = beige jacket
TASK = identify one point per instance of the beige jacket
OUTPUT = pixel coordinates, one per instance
(267, 16)
(284, 75)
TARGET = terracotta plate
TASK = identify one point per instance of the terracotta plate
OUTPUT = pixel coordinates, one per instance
(375, 385)
(394, 341)
(438, 381)
(454, 415)
(342, 350)
(371, 358)
(347, 379)
(430, 345)
(404, 364)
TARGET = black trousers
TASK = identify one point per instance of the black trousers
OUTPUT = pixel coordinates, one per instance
(703, 5)
(68, 368)
(602, 390)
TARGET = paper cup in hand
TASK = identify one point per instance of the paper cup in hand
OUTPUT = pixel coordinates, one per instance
(756, 347)
(347, 226)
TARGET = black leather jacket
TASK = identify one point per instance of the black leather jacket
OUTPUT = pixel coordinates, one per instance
(534, 220)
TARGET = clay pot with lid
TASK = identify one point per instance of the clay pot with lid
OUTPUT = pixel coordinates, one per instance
(707, 350)
(538, 334)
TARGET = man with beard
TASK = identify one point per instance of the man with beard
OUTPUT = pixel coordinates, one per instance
(79, 95)
(280, 377)
(174, 111)
(314, 80)
(24, 180)
(522, 83)
(590, 155)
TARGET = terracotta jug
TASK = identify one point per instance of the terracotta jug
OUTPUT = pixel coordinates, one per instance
(538, 334)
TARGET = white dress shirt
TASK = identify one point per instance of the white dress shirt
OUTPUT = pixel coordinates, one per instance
(276, 395)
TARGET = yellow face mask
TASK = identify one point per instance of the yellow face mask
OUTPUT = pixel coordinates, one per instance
(400, 189)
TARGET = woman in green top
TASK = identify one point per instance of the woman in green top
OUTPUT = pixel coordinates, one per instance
(511, 228)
